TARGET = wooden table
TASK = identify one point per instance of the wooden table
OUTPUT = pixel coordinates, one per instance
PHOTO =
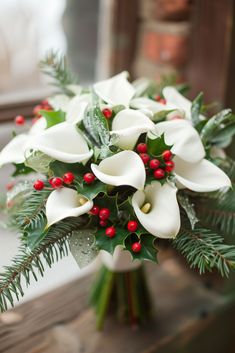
(190, 317)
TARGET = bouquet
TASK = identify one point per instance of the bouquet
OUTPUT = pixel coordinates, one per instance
(113, 170)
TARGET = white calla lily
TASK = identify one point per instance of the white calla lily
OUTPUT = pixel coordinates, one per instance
(59, 102)
(115, 90)
(63, 142)
(129, 124)
(124, 168)
(173, 96)
(39, 126)
(184, 138)
(203, 176)
(14, 151)
(163, 218)
(150, 104)
(120, 261)
(76, 108)
(63, 203)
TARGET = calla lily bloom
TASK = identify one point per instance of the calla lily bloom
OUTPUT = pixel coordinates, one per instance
(124, 168)
(129, 124)
(150, 104)
(63, 142)
(65, 202)
(115, 90)
(163, 218)
(120, 261)
(14, 151)
(191, 169)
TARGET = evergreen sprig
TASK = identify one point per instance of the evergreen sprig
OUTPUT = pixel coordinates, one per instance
(55, 66)
(205, 250)
(50, 249)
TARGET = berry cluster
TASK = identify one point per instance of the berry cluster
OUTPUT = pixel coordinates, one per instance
(159, 166)
(68, 178)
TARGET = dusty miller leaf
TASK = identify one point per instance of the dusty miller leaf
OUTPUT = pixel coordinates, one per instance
(82, 246)
(39, 162)
(189, 209)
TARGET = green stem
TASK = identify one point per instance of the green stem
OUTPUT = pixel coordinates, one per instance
(104, 299)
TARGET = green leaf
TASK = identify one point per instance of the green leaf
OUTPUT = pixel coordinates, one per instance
(39, 162)
(148, 249)
(52, 117)
(60, 168)
(196, 109)
(35, 236)
(109, 202)
(21, 169)
(223, 137)
(109, 244)
(92, 190)
(159, 116)
(215, 123)
(97, 126)
(157, 145)
(118, 108)
(82, 246)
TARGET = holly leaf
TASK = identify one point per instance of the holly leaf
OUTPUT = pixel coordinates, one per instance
(148, 250)
(157, 145)
(82, 245)
(109, 244)
(53, 117)
(21, 169)
(196, 109)
(109, 202)
(59, 168)
(92, 190)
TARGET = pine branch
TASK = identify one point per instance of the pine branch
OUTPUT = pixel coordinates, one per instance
(55, 66)
(204, 249)
(51, 249)
(219, 214)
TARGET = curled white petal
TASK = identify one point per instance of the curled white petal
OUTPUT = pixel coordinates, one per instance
(14, 151)
(128, 124)
(201, 177)
(163, 219)
(120, 261)
(76, 108)
(39, 126)
(124, 168)
(115, 90)
(184, 138)
(59, 102)
(153, 106)
(63, 203)
(62, 142)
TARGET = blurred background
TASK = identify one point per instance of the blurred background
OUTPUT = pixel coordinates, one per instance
(194, 40)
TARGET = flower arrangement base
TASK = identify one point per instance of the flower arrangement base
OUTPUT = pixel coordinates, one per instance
(123, 294)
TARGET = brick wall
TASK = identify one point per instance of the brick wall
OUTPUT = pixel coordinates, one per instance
(163, 40)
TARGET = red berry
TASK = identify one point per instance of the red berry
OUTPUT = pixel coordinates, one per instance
(95, 210)
(132, 226)
(103, 223)
(154, 164)
(56, 182)
(170, 165)
(136, 247)
(142, 148)
(37, 109)
(145, 157)
(104, 214)
(162, 101)
(167, 155)
(20, 120)
(68, 178)
(110, 232)
(89, 178)
(158, 98)
(9, 186)
(107, 113)
(38, 185)
(159, 173)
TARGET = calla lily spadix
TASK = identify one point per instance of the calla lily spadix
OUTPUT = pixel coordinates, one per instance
(163, 218)
(120, 261)
(65, 202)
(124, 168)
(191, 169)
(128, 125)
(115, 90)
(63, 142)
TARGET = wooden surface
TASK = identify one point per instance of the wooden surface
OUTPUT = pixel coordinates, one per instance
(189, 317)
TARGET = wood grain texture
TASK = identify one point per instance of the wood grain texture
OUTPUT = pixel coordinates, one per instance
(61, 322)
